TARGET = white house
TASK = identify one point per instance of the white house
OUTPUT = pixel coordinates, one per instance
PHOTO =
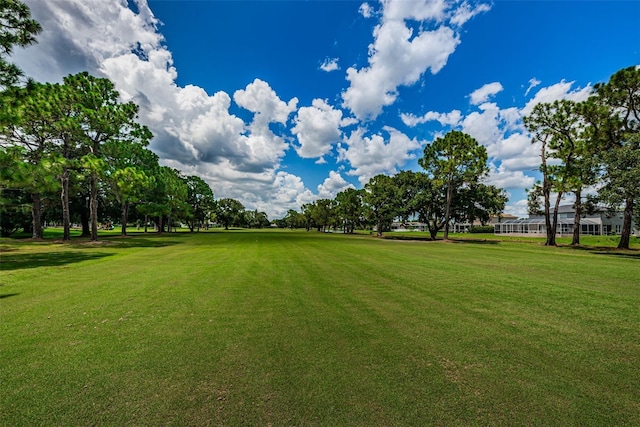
(598, 223)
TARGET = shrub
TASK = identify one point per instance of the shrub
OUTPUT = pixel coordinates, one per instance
(481, 229)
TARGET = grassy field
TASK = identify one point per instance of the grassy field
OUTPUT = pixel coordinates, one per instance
(294, 328)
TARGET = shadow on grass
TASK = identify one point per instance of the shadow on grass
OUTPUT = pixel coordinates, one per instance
(428, 239)
(408, 238)
(47, 259)
(619, 254)
(130, 241)
(476, 241)
(608, 251)
(3, 296)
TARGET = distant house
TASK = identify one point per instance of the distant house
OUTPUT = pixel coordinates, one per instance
(458, 227)
(598, 223)
(409, 226)
(463, 227)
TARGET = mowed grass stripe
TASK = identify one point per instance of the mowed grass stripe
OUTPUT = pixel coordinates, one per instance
(296, 328)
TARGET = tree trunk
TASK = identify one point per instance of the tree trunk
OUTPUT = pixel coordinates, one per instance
(433, 232)
(146, 221)
(576, 218)
(554, 222)
(546, 193)
(447, 214)
(379, 227)
(160, 225)
(124, 213)
(84, 220)
(93, 207)
(626, 223)
(36, 216)
(64, 199)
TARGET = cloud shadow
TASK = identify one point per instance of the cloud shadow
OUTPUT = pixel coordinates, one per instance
(21, 261)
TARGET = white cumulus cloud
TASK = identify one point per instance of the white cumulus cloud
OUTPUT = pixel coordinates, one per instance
(317, 128)
(519, 208)
(561, 90)
(372, 155)
(483, 94)
(332, 185)
(259, 98)
(402, 52)
(445, 119)
(502, 177)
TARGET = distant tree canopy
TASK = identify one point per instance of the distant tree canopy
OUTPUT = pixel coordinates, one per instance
(450, 189)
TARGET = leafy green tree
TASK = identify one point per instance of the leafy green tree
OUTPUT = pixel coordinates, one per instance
(382, 196)
(36, 125)
(420, 196)
(453, 162)
(175, 197)
(409, 188)
(614, 113)
(103, 118)
(200, 200)
(562, 132)
(479, 201)
(292, 220)
(14, 211)
(256, 219)
(349, 209)
(17, 28)
(125, 174)
(323, 213)
(15, 206)
(307, 214)
(228, 211)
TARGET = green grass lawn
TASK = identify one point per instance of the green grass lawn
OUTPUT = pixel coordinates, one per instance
(295, 328)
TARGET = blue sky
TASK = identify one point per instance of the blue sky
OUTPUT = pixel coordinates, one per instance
(278, 103)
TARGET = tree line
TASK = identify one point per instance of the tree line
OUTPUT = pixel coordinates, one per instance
(590, 145)
(449, 190)
(68, 148)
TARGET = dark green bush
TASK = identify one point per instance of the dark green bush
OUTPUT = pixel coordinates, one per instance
(481, 229)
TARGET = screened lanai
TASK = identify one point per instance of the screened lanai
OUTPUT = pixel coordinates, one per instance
(536, 226)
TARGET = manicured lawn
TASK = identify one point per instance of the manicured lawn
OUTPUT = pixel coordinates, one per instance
(295, 328)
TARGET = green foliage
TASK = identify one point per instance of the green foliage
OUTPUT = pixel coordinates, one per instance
(15, 211)
(480, 229)
(229, 212)
(422, 196)
(102, 119)
(255, 219)
(615, 115)
(292, 220)
(452, 162)
(382, 196)
(16, 29)
(200, 201)
(479, 202)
